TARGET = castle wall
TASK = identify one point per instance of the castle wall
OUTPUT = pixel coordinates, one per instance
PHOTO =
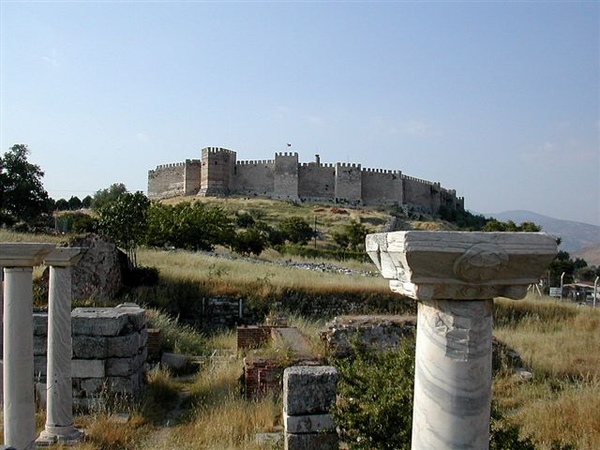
(316, 181)
(218, 166)
(191, 176)
(218, 174)
(382, 187)
(254, 178)
(285, 183)
(422, 193)
(166, 181)
(348, 182)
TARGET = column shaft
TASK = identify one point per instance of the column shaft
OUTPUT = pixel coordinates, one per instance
(453, 375)
(59, 418)
(19, 407)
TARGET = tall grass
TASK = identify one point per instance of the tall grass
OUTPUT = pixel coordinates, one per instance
(559, 343)
(229, 276)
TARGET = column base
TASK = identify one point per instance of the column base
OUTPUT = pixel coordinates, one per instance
(46, 438)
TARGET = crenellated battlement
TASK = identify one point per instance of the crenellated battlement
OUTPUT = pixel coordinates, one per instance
(170, 165)
(348, 165)
(419, 180)
(219, 173)
(382, 171)
(313, 164)
(218, 150)
(255, 162)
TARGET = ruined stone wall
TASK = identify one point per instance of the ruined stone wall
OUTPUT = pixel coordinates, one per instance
(191, 176)
(382, 187)
(421, 193)
(109, 352)
(316, 181)
(285, 184)
(348, 182)
(254, 178)
(218, 165)
(166, 181)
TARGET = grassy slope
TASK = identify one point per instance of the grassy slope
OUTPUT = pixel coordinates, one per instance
(559, 342)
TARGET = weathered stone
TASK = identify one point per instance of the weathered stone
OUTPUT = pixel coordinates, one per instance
(173, 360)
(90, 347)
(88, 368)
(40, 323)
(427, 265)
(455, 276)
(314, 441)
(121, 367)
(107, 321)
(309, 389)
(40, 345)
(310, 423)
(91, 386)
(121, 346)
(377, 332)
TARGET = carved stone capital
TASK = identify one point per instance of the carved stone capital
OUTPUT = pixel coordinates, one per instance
(23, 254)
(429, 265)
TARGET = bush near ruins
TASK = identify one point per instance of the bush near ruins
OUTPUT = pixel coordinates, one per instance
(375, 409)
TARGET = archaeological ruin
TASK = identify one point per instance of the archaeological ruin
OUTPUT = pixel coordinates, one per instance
(218, 173)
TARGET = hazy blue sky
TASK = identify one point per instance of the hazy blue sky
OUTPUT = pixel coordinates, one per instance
(497, 100)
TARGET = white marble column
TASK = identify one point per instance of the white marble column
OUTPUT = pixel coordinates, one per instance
(454, 276)
(59, 408)
(18, 260)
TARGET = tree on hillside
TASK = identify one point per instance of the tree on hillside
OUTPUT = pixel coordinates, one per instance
(126, 221)
(190, 226)
(87, 201)
(22, 194)
(107, 195)
(296, 230)
(353, 236)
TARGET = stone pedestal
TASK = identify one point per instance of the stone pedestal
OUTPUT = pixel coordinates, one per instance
(18, 260)
(308, 395)
(455, 276)
(59, 408)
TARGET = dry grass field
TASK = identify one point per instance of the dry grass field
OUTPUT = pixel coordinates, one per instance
(558, 342)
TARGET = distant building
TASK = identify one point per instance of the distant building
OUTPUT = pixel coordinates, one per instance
(218, 173)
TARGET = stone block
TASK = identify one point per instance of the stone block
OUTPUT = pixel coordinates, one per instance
(88, 368)
(40, 345)
(312, 423)
(316, 441)
(107, 321)
(127, 385)
(121, 367)
(309, 389)
(91, 386)
(173, 360)
(40, 323)
(126, 345)
(40, 364)
(90, 347)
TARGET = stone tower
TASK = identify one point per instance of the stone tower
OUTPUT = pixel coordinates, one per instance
(216, 178)
(285, 183)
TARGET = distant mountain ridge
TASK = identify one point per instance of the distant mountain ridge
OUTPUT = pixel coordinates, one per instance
(575, 235)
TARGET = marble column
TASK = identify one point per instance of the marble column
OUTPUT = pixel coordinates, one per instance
(454, 276)
(18, 260)
(59, 407)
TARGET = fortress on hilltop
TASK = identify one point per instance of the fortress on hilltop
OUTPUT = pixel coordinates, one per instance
(218, 173)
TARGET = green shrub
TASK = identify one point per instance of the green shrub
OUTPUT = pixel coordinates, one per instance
(375, 411)
(375, 407)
